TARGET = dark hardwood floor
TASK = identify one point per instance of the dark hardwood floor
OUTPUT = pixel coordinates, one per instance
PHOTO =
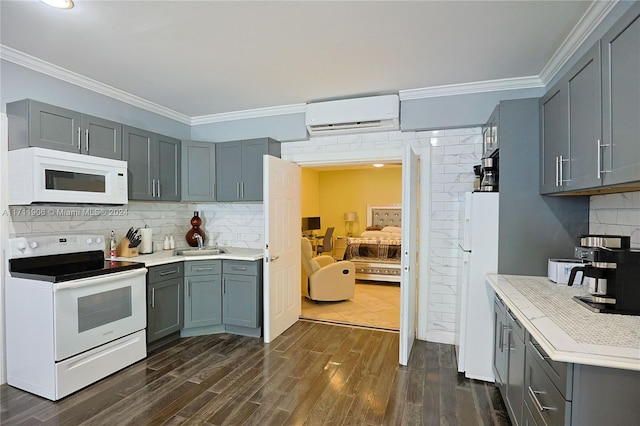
(313, 374)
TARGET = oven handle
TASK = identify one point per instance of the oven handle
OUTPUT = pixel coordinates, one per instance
(101, 279)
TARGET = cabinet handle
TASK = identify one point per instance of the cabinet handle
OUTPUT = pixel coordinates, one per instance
(501, 342)
(239, 268)
(237, 189)
(557, 170)
(153, 297)
(600, 146)
(542, 357)
(506, 329)
(599, 159)
(203, 269)
(561, 177)
(242, 189)
(188, 288)
(153, 188)
(534, 394)
(158, 188)
(86, 140)
(173, 271)
(79, 137)
(224, 286)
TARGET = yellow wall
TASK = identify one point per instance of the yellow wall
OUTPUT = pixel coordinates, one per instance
(310, 185)
(340, 191)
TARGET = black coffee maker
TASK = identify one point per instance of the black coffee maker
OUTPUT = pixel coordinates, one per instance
(612, 276)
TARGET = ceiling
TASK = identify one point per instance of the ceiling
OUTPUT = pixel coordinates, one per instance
(203, 58)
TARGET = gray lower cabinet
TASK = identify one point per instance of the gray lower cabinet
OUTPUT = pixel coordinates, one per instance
(203, 296)
(165, 301)
(542, 392)
(499, 352)
(36, 124)
(198, 171)
(621, 99)
(153, 163)
(242, 297)
(239, 168)
(509, 358)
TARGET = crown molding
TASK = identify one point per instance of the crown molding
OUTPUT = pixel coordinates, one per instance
(31, 62)
(532, 82)
(583, 29)
(250, 113)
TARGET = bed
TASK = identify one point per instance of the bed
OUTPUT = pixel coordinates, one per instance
(376, 252)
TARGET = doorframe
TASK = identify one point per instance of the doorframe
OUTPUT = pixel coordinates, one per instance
(424, 210)
(4, 234)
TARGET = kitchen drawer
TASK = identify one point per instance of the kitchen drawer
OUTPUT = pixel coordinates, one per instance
(560, 373)
(240, 267)
(545, 402)
(202, 267)
(165, 272)
(528, 419)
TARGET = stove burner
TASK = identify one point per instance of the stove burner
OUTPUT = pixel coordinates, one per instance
(66, 267)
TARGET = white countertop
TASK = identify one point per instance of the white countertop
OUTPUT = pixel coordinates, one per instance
(167, 256)
(566, 330)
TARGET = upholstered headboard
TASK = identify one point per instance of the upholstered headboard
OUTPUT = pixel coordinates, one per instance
(384, 215)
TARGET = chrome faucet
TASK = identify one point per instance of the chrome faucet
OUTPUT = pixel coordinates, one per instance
(198, 238)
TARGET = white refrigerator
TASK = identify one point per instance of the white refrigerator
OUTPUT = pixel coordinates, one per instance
(477, 257)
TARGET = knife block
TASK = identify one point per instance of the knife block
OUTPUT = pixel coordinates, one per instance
(123, 249)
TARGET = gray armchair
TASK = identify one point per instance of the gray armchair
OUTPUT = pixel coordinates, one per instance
(323, 278)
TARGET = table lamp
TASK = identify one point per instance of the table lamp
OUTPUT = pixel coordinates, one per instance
(349, 218)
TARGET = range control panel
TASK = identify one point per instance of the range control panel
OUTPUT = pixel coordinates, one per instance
(43, 245)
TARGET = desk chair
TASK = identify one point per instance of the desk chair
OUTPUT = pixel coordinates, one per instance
(327, 242)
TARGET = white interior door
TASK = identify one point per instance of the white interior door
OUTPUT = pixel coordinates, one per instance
(408, 295)
(282, 246)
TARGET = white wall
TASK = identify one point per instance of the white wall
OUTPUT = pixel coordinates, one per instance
(452, 155)
(3, 234)
(616, 214)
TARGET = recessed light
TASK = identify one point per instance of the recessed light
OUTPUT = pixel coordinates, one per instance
(60, 4)
(378, 165)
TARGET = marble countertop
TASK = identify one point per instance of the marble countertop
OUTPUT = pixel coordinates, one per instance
(566, 330)
(167, 256)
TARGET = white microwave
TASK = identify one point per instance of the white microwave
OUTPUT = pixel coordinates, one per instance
(39, 175)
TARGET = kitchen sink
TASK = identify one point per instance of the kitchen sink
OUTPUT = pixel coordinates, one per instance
(195, 251)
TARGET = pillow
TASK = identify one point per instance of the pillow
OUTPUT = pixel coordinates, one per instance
(373, 234)
(392, 229)
(374, 228)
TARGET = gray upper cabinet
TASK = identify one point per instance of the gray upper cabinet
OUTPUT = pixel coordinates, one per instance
(553, 139)
(239, 168)
(100, 137)
(33, 123)
(621, 99)
(590, 120)
(585, 125)
(168, 187)
(153, 163)
(198, 171)
(571, 128)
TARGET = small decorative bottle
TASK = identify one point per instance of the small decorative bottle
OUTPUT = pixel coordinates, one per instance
(195, 229)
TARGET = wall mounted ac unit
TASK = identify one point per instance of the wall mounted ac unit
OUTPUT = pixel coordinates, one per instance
(358, 115)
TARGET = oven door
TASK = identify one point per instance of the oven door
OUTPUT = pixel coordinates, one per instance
(93, 311)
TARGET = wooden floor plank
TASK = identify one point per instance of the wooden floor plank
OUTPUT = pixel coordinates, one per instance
(313, 374)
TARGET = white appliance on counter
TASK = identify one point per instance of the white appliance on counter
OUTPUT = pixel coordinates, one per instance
(72, 316)
(39, 175)
(477, 256)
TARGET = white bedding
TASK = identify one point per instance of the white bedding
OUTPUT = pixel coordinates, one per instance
(380, 235)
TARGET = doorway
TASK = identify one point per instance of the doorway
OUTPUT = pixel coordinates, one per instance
(339, 195)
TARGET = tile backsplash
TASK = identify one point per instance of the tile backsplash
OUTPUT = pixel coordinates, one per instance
(237, 224)
(616, 214)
